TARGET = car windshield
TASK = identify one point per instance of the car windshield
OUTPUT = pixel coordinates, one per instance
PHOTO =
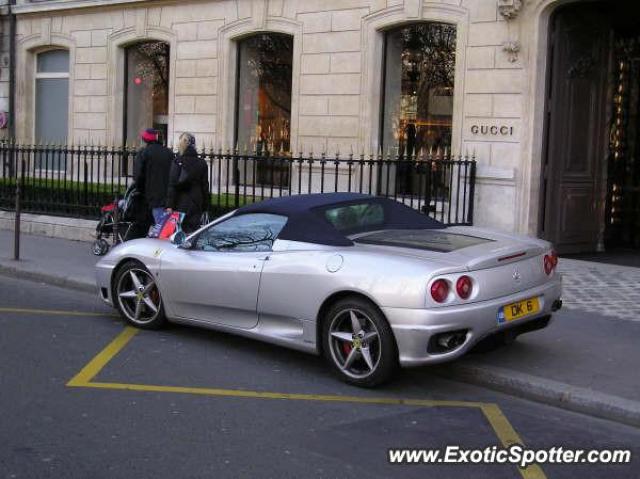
(432, 240)
(242, 233)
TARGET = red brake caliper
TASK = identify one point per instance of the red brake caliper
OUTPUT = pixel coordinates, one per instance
(346, 348)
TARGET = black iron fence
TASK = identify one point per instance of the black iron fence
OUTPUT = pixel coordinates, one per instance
(77, 181)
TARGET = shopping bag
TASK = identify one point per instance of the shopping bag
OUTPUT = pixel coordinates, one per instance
(171, 226)
(155, 229)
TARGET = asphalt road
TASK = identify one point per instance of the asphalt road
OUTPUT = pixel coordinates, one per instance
(202, 406)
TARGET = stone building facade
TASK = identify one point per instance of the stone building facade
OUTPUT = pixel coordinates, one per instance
(497, 109)
(4, 65)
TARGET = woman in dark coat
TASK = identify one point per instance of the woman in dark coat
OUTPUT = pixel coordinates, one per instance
(188, 184)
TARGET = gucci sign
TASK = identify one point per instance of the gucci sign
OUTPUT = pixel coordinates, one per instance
(495, 130)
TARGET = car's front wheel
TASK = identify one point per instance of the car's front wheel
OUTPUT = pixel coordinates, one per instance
(137, 296)
(358, 342)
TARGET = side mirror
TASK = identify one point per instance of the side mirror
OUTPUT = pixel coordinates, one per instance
(179, 238)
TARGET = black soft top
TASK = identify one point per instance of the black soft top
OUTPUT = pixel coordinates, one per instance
(308, 223)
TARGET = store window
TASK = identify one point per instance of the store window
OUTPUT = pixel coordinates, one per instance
(263, 109)
(418, 88)
(52, 103)
(147, 89)
(52, 96)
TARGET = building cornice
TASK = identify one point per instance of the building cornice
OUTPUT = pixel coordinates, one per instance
(58, 5)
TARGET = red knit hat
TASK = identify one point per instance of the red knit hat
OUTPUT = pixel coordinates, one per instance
(149, 135)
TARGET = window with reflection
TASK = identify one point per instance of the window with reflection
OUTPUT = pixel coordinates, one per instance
(263, 110)
(147, 89)
(417, 111)
(358, 216)
(243, 233)
(418, 88)
(52, 104)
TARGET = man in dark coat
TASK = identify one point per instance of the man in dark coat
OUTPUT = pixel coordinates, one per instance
(188, 184)
(151, 169)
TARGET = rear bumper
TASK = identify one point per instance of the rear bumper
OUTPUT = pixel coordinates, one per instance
(413, 328)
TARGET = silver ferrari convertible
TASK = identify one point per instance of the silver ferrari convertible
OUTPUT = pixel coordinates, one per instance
(367, 282)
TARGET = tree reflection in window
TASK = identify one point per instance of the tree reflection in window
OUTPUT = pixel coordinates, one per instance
(418, 103)
(244, 233)
(263, 111)
(419, 81)
(147, 90)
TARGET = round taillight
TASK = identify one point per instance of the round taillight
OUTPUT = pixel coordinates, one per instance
(464, 287)
(439, 290)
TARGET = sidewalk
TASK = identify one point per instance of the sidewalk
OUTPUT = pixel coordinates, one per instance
(585, 361)
(51, 260)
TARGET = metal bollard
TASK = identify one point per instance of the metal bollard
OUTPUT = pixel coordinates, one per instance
(116, 219)
(16, 228)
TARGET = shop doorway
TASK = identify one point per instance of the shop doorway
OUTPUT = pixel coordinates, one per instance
(591, 169)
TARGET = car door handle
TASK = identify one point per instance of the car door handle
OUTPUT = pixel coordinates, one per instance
(266, 258)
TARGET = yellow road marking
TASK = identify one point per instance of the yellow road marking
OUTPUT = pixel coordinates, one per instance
(497, 420)
(53, 312)
(103, 357)
(508, 436)
(240, 393)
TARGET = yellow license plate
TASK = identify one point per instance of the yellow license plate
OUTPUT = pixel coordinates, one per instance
(521, 309)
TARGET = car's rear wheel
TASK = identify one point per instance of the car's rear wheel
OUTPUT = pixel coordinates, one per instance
(359, 343)
(137, 296)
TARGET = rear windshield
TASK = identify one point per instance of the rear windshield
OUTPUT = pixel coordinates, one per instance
(432, 240)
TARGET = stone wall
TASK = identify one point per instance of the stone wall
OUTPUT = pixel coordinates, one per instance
(51, 226)
(4, 62)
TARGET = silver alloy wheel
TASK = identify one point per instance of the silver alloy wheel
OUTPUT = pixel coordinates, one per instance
(354, 343)
(138, 296)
